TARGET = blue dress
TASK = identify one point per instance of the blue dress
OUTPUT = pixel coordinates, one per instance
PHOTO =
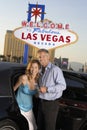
(24, 97)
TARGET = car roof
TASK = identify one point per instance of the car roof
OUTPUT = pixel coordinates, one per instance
(82, 75)
(75, 72)
(7, 69)
(9, 65)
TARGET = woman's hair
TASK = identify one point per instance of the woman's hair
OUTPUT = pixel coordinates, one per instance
(28, 72)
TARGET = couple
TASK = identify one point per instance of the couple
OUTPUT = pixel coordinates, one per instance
(50, 83)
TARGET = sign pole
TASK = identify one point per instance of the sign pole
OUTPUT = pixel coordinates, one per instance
(26, 47)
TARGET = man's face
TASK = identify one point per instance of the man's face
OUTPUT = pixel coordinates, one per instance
(43, 58)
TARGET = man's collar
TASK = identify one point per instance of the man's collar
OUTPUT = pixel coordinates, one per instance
(48, 66)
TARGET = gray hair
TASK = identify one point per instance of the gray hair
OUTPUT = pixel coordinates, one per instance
(43, 50)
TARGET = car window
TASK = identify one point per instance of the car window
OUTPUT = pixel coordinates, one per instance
(74, 83)
(76, 89)
(8, 76)
(15, 78)
(16, 74)
(5, 83)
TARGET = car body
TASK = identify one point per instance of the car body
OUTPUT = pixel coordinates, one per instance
(10, 116)
(73, 104)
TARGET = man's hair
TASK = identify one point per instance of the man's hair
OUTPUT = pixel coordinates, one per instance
(43, 50)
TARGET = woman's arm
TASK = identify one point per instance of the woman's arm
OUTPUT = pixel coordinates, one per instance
(18, 83)
(22, 80)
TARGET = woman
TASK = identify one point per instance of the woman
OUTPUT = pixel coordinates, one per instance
(26, 85)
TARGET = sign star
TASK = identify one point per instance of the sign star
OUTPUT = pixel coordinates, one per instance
(36, 12)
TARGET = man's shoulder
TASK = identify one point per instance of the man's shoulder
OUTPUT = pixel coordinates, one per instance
(55, 67)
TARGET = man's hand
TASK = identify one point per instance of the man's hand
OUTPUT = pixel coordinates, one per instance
(43, 89)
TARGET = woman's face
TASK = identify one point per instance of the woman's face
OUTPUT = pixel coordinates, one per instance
(34, 68)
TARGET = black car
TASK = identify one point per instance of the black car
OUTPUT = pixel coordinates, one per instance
(10, 116)
(73, 104)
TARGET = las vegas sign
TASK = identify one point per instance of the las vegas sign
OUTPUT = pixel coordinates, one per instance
(46, 35)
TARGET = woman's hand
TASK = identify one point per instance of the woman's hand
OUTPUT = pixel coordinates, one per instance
(43, 89)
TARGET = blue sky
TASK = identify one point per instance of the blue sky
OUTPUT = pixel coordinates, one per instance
(12, 12)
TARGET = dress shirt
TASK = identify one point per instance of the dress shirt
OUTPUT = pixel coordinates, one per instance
(54, 80)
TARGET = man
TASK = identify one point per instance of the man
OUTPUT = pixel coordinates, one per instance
(52, 84)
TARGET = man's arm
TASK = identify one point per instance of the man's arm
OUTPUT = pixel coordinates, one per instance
(60, 83)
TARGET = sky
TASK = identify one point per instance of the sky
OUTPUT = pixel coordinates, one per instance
(73, 12)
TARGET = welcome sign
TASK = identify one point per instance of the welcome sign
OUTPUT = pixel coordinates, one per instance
(46, 35)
